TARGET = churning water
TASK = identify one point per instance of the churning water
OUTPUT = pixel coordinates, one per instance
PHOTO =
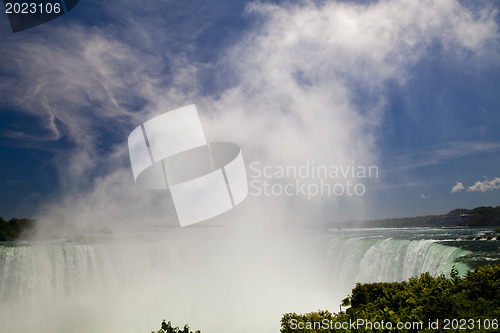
(214, 280)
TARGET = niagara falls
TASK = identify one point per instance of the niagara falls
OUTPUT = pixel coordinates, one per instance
(250, 166)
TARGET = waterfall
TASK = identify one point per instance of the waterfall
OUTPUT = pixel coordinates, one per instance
(365, 260)
(71, 287)
(63, 269)
(211, 280)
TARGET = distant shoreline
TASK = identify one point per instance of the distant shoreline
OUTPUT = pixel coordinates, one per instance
(477, 217)
(15, 229)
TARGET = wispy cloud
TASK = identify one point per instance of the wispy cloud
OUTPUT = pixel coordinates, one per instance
(285, 88)
(460, 149)
(450, 151)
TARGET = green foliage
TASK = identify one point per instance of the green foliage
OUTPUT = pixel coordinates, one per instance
(12, 230)
(421, 300)
(168, 328)
(312, 322)
(485, 216)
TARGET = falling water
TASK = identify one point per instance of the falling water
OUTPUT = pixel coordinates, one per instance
(207, 279)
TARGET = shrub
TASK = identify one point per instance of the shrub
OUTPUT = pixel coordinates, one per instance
(423, 300)
(167, 328)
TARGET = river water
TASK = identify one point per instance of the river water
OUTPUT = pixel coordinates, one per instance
(214, 279)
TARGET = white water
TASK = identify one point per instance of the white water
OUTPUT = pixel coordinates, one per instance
(390, 260)
(210, 281)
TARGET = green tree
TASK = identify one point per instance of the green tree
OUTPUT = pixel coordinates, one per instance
(422, 300)
(13, 229)
(168, 328)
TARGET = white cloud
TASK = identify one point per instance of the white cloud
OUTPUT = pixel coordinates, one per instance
(457, 188)
(425, 197)
(486, 185)
(289, 85)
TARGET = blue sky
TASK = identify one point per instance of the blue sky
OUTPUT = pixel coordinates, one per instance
(412, 87)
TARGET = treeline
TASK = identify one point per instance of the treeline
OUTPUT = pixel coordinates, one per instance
(484, 216)
(12, 229)
(421, 304)
(480, 216)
